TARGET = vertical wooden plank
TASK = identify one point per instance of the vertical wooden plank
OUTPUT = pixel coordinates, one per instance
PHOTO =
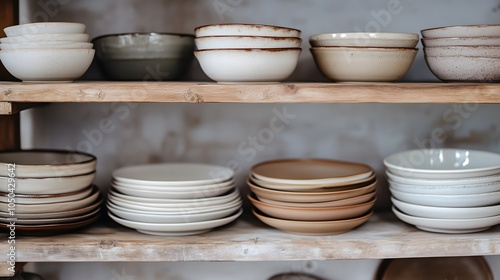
(9, 15)
(10, 132)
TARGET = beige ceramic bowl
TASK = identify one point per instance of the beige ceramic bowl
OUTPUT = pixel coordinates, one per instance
(48, 198)
(336, 203)
(245, 30)
(345, 64)
(313, 227)
(461, 41)
(474, 51)
(465, 68)
(246, 42)
(309, 197)
(365, 39)
(484, 30)
(44, 28)
(312, 214)
(50, 185)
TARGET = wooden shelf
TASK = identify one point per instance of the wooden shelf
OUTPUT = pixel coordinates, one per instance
(249, 240)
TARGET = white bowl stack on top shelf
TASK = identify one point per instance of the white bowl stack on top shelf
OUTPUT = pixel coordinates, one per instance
(47, 192)
(467, 53)
(446, 190)
(174, 199)
(46, 51)
(247, 53)
(312, 196)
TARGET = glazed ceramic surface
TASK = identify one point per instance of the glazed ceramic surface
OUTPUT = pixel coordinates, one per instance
(46, 45)
(461, 41)
(443, 200)
(245, 30)
(343, 202)
(454, 189)
(246, 42)
(48, 198)
(365, 39)
(485, 30)
(70, 37)
(443, 182)
(465, 69)
(49, 185)
(44, 28)
(470, 51)
(311, 187)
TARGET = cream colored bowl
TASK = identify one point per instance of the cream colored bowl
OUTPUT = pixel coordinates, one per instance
(482, 30)
(246, 42)
(44, 28)
(50, 185)
(347, 64)
(47, 45)
(245, 30)
(47, 198)
(471, 51)
(465, 68)
(365, 39)
(72, 37)
(461, 41)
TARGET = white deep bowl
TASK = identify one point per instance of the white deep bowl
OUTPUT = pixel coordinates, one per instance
(47, 65)
(50, 185)
(443, 163)
(357, 64)
(443, 182)
(46, 45)
(461, 41)
(485, 30)
(365, 39)
(446, 212)
(472, 51)
(246, 42)
(44, 28)
(248, 65)
(245, 30)
(447, 189)
(71, 37)
(442, 200)
(465, 68)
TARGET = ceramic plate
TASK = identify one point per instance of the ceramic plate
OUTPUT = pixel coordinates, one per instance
(51, 198)
(443, 163)
(448, 225)
(176, 229)
(46, 163)
(465, 268)
(200, 188)
(447, 189)
(443, 182)
(444, 200)
(173, 174)
(56, 185)
(313, 227)
(311, 188)
(343, 202)
(52, 221)
(173, 195)
(310, 171)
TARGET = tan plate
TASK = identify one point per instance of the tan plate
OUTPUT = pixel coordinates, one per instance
(313, 227)
(307, 197)
(311, 171)
(343, 202)
(312, 214)
(463, 268)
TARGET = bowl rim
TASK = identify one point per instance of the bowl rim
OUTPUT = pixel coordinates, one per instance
(270, 50)
(142, 33)
(460, 38)
(246, 24)
(465, 47)
(248, 37)
(360, 48)
(92, 158)
(397, 35)
(461, 26)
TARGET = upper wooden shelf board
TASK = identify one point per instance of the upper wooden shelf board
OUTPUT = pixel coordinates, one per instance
(196, 92)
(249, 240)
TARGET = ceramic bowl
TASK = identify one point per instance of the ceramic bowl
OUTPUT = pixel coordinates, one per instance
(46, 163)
(310, 197)
(449, 225)
(312, 214)
(448, 200)
(358, 64)
(484, 30)
(470, 51)
(446, 212)
(493, 179)
(173, 195)
(365, 39)
(145, 56)
(443, 163)
(336, 203)
(248, 65)
(461, 41)
(70, 37)
(313, 227)
(71, 219)
(447, 189)
(464, 68)
(47, 65)
(246, 42)
(245, 30)
(44, 28)
(47, 45)
(312, 187)
(48, 186)
(47, 198)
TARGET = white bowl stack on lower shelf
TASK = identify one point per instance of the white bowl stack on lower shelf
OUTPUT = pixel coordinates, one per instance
(174, 199)
(446, 190)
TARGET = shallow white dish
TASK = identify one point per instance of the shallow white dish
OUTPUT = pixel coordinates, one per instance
(180, 188)
(50, 185)
(70, 37)
(365, 39)
(173, 174)
(441, 200)
(447, 189)
(470, 51)
(443, 163)
(176, 229)
(242, 29)
(46, 163)
(46, 45)
(443, 182)
(449, 225)
(482, 30)
(42, 199)
(464, 68)
(173, 195)
(246, 42)
(461, 41)
(446, 212)
(44, 28)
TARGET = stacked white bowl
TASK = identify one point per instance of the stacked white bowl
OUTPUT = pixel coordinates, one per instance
(364, 57)
(446, 190)
(174, 199)
(467, 53)
(47, 192)
(247, 53)
(46, 52)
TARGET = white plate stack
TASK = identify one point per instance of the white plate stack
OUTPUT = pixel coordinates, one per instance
(174, 199)
(446, 190)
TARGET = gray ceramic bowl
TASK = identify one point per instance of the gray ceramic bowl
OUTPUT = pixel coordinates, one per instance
(145, 56)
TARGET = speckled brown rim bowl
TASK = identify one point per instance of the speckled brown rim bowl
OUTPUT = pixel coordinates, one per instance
(481, 30)
(243, 29)
(464, 68)
(365, 39)
(245, 42)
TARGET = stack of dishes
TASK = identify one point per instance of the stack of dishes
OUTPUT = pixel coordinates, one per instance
(446, 190)
(47, 51)
(312, 196)
(364, 57)
(47, 192)
(241, 53)
(467, 53)
(174, 199)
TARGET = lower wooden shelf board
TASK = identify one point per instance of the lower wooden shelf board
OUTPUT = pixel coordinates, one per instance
(249, 240)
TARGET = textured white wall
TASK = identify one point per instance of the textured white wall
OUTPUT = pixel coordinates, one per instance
(212, 132)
